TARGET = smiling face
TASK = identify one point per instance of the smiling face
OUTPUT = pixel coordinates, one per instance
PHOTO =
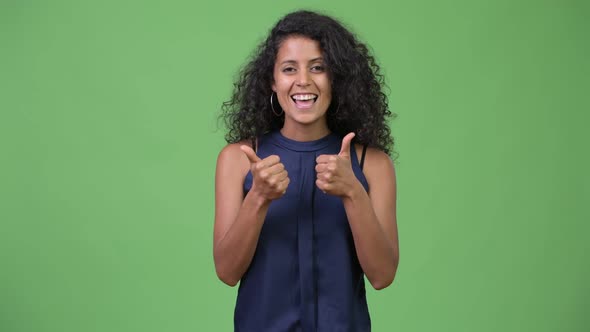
(302, 84)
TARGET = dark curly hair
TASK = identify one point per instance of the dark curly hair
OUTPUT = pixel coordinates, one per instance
(358, 103)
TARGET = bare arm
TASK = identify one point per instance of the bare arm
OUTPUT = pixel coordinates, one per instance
(371, 217)
(239, 219)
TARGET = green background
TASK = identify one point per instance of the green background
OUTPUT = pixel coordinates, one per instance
(108, 138)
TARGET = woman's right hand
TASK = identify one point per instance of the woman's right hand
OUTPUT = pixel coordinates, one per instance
(270, 179)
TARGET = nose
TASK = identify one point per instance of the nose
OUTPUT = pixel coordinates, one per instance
(303, 78)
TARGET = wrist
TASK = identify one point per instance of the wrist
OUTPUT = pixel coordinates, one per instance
(355, 191)
(258, 198)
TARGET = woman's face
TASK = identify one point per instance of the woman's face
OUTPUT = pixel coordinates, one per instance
(301, 81)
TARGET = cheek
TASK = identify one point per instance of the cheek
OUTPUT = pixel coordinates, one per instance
(281, 85)
(276, 82)
(326, 86)
(327, 92)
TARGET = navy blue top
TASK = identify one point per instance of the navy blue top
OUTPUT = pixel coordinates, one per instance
(305, 275)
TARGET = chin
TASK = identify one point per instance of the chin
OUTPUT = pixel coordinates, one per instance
(309, 118)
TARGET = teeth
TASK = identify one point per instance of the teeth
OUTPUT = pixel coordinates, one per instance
(304, 97)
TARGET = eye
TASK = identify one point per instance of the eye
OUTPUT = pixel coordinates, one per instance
(288, 70)
(318, 69)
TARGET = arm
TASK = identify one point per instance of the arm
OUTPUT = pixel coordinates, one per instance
(371, 216)
(239, 219)
(372, 219)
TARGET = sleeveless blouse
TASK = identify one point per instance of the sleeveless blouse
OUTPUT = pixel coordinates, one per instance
(305, 275)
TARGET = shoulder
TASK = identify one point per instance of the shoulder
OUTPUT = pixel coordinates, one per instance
(231, 159)
(378, 159)
(232, 151)
(377, 164)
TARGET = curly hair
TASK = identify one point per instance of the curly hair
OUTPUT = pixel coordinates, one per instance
(358, 105)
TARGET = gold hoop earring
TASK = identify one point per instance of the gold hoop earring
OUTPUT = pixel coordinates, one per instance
(272, 106)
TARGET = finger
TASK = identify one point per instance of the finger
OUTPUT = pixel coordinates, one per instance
(284, 184)
(276, 179)
(325, 158)
(321, 184)
(325, 177)
(326, 167)
(252, 157)
(276, 168)
(282, 176)
(319, 168)
(268, 161)
(345, 149)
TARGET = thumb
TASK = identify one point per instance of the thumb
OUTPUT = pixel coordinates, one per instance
(250, 154)
(345, 149)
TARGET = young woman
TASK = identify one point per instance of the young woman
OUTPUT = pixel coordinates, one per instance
(305, 191)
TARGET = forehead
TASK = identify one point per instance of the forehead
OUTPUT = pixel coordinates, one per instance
(298, 48)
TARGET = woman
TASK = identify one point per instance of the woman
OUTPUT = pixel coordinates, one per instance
(305, 191)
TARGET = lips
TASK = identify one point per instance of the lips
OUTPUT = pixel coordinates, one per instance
(304, 100)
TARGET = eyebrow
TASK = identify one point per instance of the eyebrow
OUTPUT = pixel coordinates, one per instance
(310, 61)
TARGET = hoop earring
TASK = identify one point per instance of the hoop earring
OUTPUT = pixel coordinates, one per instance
(272, 106)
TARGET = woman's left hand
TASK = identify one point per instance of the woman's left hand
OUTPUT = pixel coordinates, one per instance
(334, 172)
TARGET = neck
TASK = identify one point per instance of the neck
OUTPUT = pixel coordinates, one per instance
(305, 133)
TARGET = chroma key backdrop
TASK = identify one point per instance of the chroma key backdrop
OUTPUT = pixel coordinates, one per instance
(109, 138)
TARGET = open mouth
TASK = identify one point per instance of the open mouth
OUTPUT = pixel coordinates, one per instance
(304, 100)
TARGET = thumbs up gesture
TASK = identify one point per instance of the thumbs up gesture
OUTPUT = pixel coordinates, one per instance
(334, 172)
(270, 179)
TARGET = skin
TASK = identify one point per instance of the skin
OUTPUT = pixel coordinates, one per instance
(372, 216)
(299, 69)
